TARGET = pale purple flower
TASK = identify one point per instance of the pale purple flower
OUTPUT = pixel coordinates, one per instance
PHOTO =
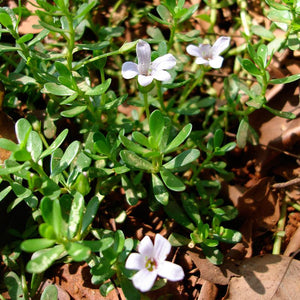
(147, 70)
(210, 55)
(151, 262)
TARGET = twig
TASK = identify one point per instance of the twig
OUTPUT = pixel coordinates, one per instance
(282, 185)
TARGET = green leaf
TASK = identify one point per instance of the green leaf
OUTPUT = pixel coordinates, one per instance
(25, 38)
(20, 191)
(99, 245)
(76, 215)
(130, 191)
(74, 111)
(78, 251)
(136, 148)
(262, 32)
(156, 124)
(58, 141)
(262, 54)
(250, 67)
(214, 255)
(5, 19)
(228, 235)
(91, 211)
(163, 13)
(50, 293)
(180, 138)
(67, 158)
(5, 192)
(242, 134)
(171, 181)
(99, 89)
(288, 79)
(10, 170)
(101, 145)
(106, 288)
(282, 114)
(43, 259)
(135, 162)
(23, 129)
(8, 145)
(182, 159)
(176, 212)
(141, 139)
(13, 282)
(51, 213)
(158, 19)
(178, 240)
(191, 207)
(226, 213)
(46, 231)
(160, 192)
(33, 245)
(57, 89)
(34, 145)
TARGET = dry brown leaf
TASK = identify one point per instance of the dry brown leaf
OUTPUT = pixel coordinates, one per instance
(259, 204)
(210, 272)
(208, 291)
(266, 277)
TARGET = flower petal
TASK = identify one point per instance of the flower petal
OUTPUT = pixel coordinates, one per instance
(201, 61)
(129, 70)
(162, 248)
(165, 62)
(143, 52)
(144, 80)
(161, 75)
(171, 271)
(216, 62)
(144, 280)
(193, 50)
(135, 261)
(221, 44)
(145, 246)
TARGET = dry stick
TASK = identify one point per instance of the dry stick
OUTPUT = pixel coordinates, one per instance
(282, 185)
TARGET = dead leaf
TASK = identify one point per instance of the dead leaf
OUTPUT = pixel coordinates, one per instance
(208, 291)
(210, 272)
(266, 277)
(259, 204)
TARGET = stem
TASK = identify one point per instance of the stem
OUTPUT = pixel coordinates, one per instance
(243, 14)
(160, 95)
(23, 281)
(280, 227)
(187, 92)
(172, 34)
(146, 106)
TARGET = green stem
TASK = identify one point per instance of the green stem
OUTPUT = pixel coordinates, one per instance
(24, 281)
(160, 95)
(280, 227)
(187, 92)
(146, 106)
(243, 14)
(172, 34)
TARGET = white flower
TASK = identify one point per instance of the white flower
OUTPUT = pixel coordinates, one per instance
(210, 55)
(147, 70)
(151, 261)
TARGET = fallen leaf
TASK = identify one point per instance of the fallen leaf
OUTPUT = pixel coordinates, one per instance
(266, 277)
(210, 272)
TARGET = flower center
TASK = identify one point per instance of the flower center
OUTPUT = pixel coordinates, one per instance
(150, 264)
(207, 55)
